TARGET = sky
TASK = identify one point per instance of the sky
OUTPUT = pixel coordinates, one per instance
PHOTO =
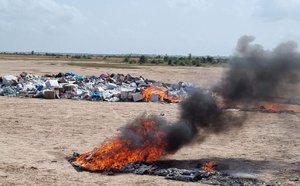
(172, 27)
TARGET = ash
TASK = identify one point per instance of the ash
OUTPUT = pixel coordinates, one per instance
(180, 174)
(195, 175)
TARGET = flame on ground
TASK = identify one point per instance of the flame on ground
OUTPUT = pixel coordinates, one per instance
(161, 92)
(121, 151)
(263, 107)
(276, 107)
(209, 167)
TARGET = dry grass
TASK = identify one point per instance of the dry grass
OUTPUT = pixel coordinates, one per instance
(103, 65)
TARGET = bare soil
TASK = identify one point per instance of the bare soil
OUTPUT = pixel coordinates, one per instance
(36, 135)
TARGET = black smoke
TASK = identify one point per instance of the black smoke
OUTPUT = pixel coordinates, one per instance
(200, 116)
(255, 74)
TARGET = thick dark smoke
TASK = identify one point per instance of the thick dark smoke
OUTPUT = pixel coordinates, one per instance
(174, 134)
(203, 117)
(255, 74)
(200, 116)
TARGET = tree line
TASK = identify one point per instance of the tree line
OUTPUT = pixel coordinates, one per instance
(177, 61)
(137, 59)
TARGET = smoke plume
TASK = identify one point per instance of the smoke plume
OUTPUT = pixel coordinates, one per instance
(255, 74)
(200, 117)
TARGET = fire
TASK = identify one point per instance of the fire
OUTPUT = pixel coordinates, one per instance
(276, 107)
(209, 167)
(161, 92)
(263, 107)
(273, 107)
(121, 151)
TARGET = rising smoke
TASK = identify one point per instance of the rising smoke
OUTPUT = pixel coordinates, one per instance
(203, 117)
(200, 117)
(253, 74)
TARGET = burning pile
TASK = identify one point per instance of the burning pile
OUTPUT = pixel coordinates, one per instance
(146, 144)
(161, 93)
(253, 75)
(106, 87)
(148, 138)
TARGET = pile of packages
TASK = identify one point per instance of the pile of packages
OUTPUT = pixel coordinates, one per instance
(106, 87)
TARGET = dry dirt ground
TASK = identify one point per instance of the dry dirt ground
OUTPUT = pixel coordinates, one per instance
(36, 135)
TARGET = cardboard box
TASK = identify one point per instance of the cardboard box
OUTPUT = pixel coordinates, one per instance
(129, 96)
(52, 83)
(154, 98)
(59, 89)
(137, 97)
(9, 80)
(50, 94)
(70, 87)
(124, 94)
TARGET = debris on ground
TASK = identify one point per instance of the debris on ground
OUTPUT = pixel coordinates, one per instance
(180, 174)
(105, 87)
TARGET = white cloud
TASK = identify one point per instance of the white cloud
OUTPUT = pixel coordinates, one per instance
(148, 26)
(36, 16)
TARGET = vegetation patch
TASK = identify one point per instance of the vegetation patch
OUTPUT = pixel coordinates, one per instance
(177, 61)
(130, 61)
(103, 65)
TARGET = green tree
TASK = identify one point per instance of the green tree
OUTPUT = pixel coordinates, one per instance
(132, 61)
(126, 59)
(209, 59)
(170, 62)
(190, 56)
(166, 58)
(194, 62)
(153, 61)
(142, 59)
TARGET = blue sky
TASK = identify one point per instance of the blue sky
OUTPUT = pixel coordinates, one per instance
(174, 27)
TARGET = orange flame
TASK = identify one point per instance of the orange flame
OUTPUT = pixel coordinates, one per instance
(264, 107)
(161, 92)
(273, 107)
(276, 107)
(120, 152)
(209, 167)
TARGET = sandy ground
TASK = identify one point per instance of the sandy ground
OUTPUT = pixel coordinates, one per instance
(36, 135)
